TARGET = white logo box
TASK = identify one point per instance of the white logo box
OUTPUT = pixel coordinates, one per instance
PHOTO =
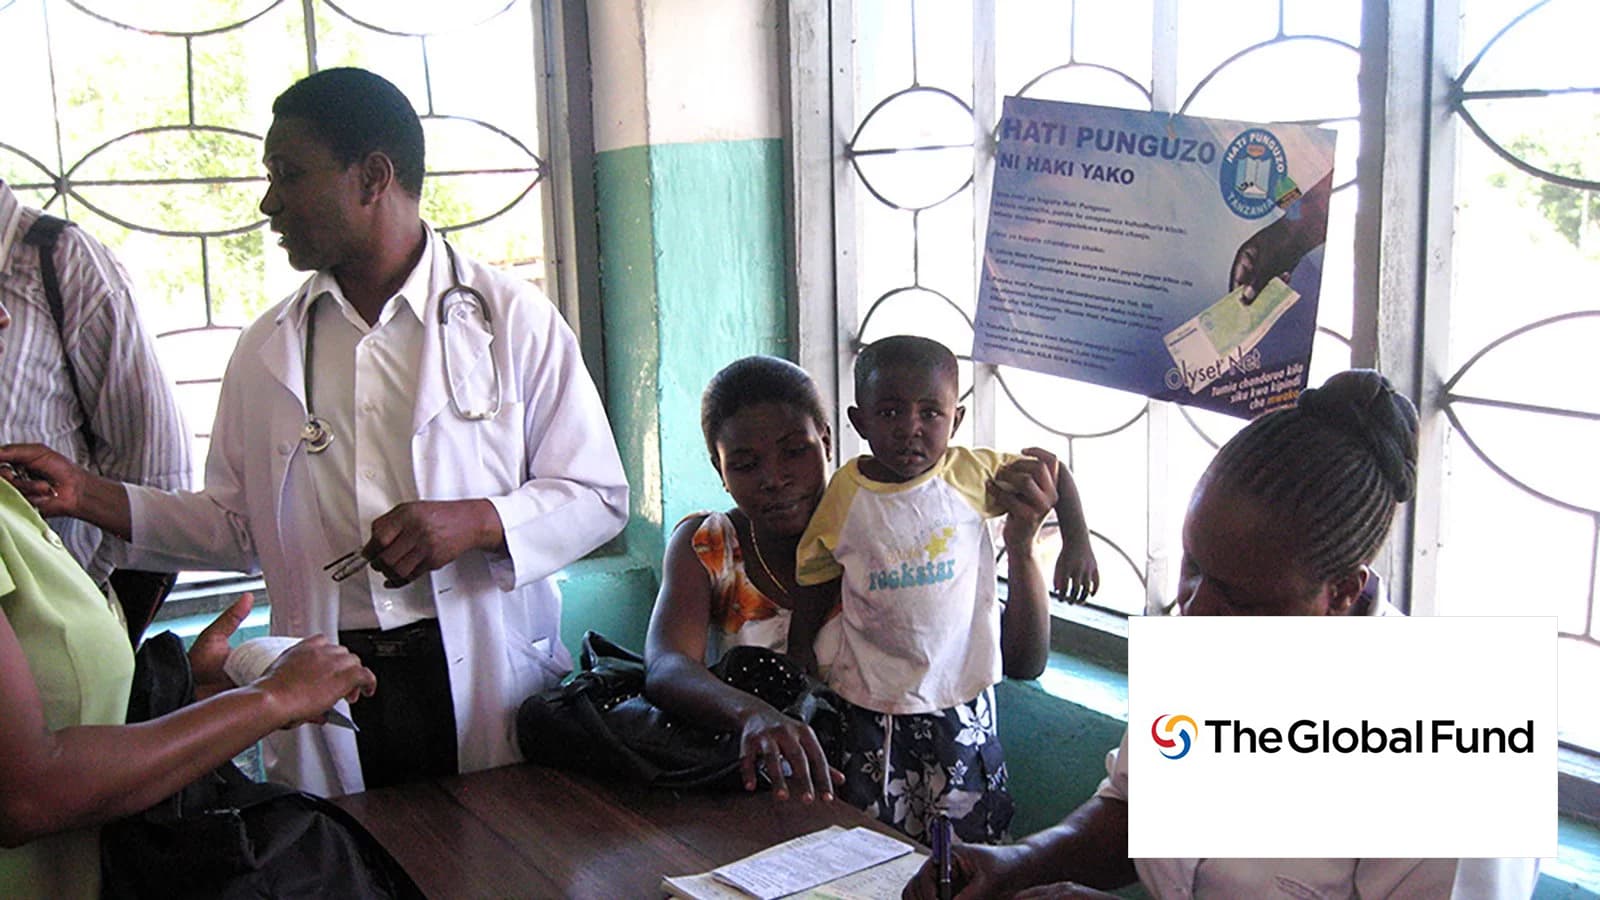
(1402, 678)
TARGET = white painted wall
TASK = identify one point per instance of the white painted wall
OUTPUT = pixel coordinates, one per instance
(684, 71)
(616, 58)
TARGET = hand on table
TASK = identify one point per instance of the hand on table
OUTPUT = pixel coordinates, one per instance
(768, 740)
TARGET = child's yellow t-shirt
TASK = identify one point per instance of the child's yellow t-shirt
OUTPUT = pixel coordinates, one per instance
(919, 629)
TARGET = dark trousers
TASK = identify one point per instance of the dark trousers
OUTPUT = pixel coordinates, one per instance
(408, 727)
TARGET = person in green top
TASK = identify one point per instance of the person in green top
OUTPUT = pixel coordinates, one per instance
(67, 762)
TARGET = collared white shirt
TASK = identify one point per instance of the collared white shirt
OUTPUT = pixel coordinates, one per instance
(364, 386)
(131, 406)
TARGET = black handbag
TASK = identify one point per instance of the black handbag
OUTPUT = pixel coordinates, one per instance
(600, 722)
(225, 836)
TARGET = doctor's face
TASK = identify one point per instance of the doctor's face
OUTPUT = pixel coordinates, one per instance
(313, 201)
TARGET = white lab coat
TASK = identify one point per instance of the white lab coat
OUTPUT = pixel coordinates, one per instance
(547, 462)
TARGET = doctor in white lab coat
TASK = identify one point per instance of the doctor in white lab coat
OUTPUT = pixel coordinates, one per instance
(526, 490)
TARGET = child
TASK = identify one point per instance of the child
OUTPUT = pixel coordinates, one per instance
(920, 635)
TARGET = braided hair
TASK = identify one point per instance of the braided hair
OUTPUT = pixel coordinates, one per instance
(752, 380)
(1332, 469)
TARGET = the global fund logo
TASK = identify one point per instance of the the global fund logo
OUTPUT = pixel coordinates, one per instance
(1174, 736)
(1327, 737)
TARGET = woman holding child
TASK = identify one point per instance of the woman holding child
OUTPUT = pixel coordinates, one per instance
(767, 435)
(768, 438)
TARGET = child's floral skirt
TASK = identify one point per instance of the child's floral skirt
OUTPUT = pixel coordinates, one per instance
(905, 769)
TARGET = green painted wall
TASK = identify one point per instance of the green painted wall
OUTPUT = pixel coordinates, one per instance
(720, 280)
(611, 595)
(633, 354)
(692, 277)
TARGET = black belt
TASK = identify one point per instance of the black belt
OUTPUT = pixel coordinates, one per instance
(420, 638)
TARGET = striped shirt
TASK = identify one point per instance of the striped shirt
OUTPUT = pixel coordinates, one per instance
(132, 411)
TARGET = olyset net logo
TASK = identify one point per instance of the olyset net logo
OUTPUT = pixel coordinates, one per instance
(1176, 735)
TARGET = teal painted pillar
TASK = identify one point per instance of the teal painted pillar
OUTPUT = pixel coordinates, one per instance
(689, 184)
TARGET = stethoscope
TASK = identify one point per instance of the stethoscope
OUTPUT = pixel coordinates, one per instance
(315, 433)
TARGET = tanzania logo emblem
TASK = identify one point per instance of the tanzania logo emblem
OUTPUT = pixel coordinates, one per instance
(1175, 728)
(1254, 174)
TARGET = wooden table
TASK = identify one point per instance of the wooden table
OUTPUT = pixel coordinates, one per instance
(528, 831)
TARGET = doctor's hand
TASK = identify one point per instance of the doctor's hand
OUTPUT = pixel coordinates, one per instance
(57, 486)
(420, 536)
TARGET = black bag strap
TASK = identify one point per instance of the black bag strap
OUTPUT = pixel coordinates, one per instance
(141, 593)
(42, 235)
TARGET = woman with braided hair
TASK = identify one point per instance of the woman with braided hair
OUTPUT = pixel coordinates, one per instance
(1330, 472)
(1285, 521)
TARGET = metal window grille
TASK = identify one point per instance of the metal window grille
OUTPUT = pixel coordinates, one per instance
(915, 113)
(1520, 492)
(143, 122)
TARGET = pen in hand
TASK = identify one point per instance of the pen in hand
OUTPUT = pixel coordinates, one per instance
(941, 838)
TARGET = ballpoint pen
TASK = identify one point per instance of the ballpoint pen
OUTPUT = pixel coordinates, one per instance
(941, 855)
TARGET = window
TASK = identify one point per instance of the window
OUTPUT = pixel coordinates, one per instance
(1470, 280)
(1518, 500)
(910, 211)
(143, 122)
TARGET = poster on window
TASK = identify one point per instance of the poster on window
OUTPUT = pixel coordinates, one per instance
(1173, 256)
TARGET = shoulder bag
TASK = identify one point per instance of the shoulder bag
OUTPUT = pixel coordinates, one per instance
(600, 722)
(230, 838)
